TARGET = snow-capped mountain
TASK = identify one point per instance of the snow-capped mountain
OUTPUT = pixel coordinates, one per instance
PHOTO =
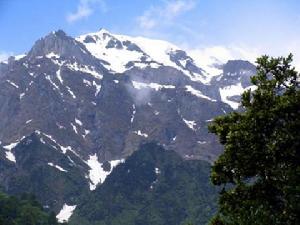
(87, 103)
(125, 52)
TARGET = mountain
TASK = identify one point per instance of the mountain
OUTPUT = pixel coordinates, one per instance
(154, 186)
(72, 109)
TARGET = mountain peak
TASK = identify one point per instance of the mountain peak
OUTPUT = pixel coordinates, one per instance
(59, 33)
(237, 65)
(103, 30)
(59, 43)
(55, 41)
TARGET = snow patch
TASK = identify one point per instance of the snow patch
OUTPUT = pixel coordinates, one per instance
(198, 93)
(78, 122)
(60, 126)
(8, 154)
(230, 91)
(28, 121)
(18, 57)
(58, 75)
(96, 173)
(22, 95)
(133, 113)
(50, 80)
(157, 170)
(71, 92)
(140, 133)
(11, 146)
(52, 55)
(74, 128)
(57, 167)
(87, 82)
(12, 83)
(65, 213)
(155, 86)
(97, 86)
(86, 132)
(190, 123)
(84, 69)
(63, 148)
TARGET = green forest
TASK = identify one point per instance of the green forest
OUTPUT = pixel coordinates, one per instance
(24, 210)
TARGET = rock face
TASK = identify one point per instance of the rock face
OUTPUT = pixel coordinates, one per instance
(91, 101)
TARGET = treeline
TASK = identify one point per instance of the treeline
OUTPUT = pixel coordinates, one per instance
(24, 210)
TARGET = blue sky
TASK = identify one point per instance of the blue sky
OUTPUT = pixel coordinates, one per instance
(245, 27)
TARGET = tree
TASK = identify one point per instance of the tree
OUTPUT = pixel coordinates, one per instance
(24, 210)
(52, 219)
(259, 169)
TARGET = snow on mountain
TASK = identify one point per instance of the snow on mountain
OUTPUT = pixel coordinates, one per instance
(155, 86)
(123, 52)
(57, 167)
(9, 154)
(105, 46)
(65, 213)
(198, 93)
(97, 174)
(120, 53)
(157, 50)
(230, 91)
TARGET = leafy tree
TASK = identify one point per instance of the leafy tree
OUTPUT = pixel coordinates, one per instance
(52, 218)
(260, 167)
(24, 210)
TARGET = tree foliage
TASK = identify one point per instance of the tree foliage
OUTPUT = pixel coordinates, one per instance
(24, 210)
(260, 167)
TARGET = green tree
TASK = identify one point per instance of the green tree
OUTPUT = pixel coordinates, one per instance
(24, 210)
(260, 167)
(52, 219)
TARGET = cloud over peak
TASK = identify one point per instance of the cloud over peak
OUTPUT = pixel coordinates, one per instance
(166, 13)
(85, 9)
(4, 55)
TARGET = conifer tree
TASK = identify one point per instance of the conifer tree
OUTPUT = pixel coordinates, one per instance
(260, 167)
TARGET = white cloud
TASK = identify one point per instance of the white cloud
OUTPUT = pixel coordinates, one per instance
(165, 14)
(85, 9)
(294, 48)
(4, 56)
(221, 54)
(175, 8)
(147, 21)
(207, 56)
